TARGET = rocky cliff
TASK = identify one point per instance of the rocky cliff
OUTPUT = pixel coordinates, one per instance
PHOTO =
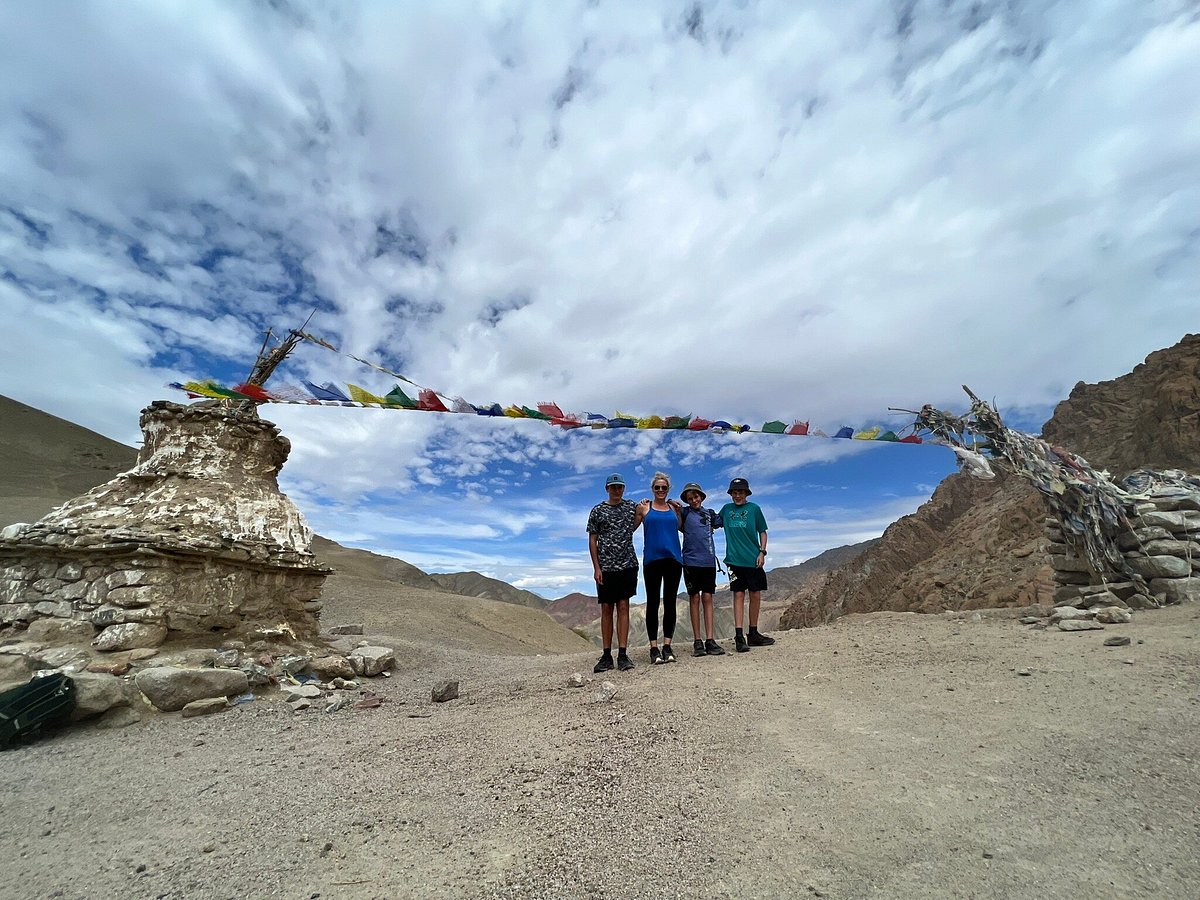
(978, 544)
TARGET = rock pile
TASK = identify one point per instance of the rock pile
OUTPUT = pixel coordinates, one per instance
(195, 538)
(120, 687)
(1161, 559)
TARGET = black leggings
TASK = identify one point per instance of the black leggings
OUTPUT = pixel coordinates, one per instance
(661, 575)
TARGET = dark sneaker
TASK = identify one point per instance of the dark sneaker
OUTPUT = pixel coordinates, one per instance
(668, 655)
(698, 649)
(624, 663)
(739, 642)
(760, 640)
(655, 657)
(604, 665)
(712, 648)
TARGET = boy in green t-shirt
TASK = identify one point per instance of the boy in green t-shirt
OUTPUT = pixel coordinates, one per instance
(745, 554)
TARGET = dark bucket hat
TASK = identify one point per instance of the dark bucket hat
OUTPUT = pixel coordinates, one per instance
(740, 484)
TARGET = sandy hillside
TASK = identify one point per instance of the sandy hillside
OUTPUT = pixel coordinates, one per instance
(891, 755)
(45, 461)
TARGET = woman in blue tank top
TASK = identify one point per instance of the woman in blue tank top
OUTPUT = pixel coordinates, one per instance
(662, 564)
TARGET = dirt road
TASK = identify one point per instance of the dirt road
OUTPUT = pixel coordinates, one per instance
(886, 756)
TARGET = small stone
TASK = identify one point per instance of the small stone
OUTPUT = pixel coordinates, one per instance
(1128, 662)
(369, 661)
(1030, 620)
(355, 628)
(119, 667)
(204, 707)
(605, 692)
(1117, 640)
(1025, 672)
(298, 705)
(227, 659)
(140, 653)
(332, 667)
(301, 692)
(444, 691)
(209, 847)
(1079, 625)
(294, 664)
(575, 681)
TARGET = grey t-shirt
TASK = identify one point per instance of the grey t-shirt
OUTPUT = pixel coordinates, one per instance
(697, 536)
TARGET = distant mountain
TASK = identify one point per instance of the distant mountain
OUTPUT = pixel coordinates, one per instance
(574, 610)
(788, 578)
(472, 584)
(365, 564)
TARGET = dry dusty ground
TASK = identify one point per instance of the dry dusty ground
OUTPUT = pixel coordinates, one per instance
(886, 756)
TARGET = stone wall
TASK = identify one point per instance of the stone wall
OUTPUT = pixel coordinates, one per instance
(1162, 550)
(196, 538)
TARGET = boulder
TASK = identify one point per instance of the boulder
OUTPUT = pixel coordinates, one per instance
(1079, 625)
(1160, 566)
(120, 717)
(1176, 590)
(1113, 615)
(1172, 521)
(370, 661)
(172, 689)
(129, 636)
(96, 694)
(329, 667)
(58, 631)
(1062, 613)
(16, 669)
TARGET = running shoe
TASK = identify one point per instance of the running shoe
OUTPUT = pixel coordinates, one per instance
(624, 663)
(668, 655)
(739, 643)
(712, 648)
(604, 665)
(760, 640)
(655, 657)
(698, 649)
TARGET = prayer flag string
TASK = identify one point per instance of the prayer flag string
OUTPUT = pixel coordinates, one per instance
(429, 400)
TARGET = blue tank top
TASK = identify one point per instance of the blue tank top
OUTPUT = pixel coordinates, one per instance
(661, 531)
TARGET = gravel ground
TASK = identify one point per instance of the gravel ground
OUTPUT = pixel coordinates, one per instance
(889, 755)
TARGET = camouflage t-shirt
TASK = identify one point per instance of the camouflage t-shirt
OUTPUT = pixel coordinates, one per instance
(613, 527)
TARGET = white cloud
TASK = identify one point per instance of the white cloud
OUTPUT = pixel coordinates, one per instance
(765, 211)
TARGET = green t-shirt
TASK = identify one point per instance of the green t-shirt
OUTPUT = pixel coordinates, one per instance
(743, 524)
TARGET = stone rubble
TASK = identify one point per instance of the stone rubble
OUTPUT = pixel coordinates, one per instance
(1161, 551)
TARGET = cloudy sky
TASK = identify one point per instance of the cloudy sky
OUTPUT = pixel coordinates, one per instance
(740, 210)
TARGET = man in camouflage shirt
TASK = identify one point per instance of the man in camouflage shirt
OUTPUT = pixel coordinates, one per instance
(610, 528)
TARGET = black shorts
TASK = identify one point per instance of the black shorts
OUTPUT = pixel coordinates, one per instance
(700, 579)
(747, 578)
(618, 585)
